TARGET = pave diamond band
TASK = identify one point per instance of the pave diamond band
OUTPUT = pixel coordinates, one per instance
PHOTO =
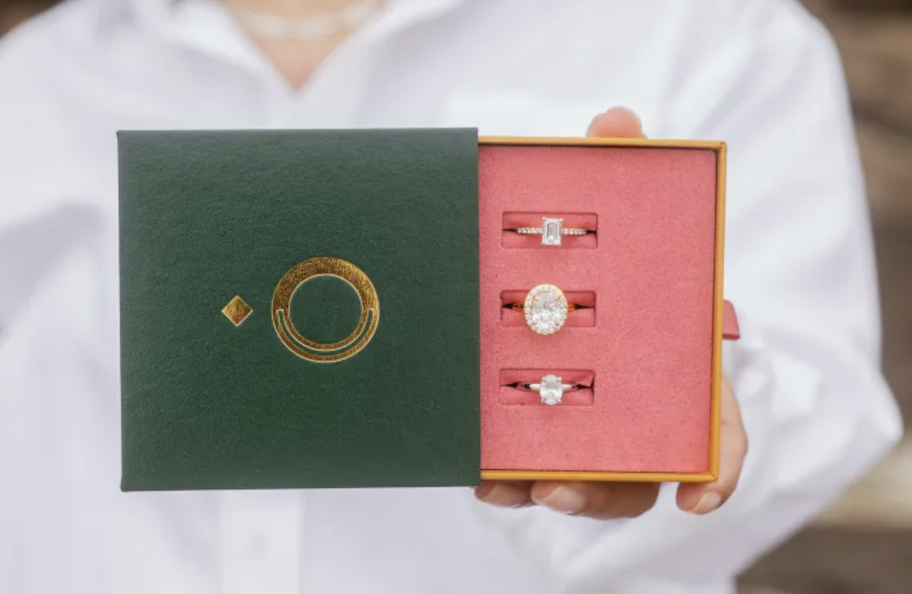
(545, 309)
(540, 230)
(551, 389)
(551, 231)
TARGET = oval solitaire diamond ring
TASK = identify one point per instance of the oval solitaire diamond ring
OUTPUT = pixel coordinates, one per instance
(545, 309)
(551, 231)
(551, 389)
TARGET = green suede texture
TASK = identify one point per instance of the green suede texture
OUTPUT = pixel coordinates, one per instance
(205, 216)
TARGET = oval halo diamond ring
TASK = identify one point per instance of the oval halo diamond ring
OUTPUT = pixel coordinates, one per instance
(551, 231)
(551, 389)
(545, 309)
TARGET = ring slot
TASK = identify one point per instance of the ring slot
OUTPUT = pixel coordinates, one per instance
(582, 317)
(512, 221)
(512, 395)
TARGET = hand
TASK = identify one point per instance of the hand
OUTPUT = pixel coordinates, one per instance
(626, 500)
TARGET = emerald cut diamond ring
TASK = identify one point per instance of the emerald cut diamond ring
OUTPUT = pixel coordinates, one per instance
(551, 231)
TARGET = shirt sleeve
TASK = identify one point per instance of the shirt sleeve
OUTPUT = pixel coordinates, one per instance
(800, 270)
(47, 210)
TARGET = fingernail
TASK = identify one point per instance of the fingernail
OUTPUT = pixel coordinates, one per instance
(482, 490)
(564, 500)
(628, 111)
(500, 495)
(709, 502)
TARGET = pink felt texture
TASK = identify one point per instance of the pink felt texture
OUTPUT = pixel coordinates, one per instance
(583, 317)
(513, 240)
(511, 396)
(651, 274)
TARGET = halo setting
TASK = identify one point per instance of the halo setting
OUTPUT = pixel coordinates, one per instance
(545, 309)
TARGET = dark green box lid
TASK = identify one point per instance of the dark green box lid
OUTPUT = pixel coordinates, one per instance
(207, 216)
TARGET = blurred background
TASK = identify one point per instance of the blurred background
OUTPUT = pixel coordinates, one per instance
(863, 543)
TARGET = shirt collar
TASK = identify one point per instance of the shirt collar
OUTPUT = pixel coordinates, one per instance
(169, 12)
(206, 26)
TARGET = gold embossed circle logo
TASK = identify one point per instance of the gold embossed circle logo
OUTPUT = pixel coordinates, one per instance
(316, 351)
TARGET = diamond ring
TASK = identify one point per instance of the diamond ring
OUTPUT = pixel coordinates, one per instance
(551, 231)
(551, 389)
(545, 309)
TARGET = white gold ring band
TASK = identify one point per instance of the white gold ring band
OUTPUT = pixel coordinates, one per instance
(540, 230)
(551, 389)
(538, 387)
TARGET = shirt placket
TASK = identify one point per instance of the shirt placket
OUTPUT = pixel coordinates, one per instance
(262, 532)
(260, 542)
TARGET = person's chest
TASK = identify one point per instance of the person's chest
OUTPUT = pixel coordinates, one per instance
(502, 70)
(505, 71)
(489, 66)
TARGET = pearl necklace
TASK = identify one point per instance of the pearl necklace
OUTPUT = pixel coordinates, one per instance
(275, 28)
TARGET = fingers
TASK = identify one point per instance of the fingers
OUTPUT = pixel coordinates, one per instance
(627, 500)
(504, 493)
(602, 501)
(704, 498)
(617, 122)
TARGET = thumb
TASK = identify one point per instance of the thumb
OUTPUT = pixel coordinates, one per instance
(617, 122)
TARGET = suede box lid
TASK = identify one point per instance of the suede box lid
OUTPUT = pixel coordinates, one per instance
(207, 216)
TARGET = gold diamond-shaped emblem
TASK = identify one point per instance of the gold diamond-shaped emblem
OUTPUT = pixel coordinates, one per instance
(237, 310)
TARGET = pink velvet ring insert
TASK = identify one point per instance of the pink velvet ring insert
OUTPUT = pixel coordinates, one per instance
(650, 270)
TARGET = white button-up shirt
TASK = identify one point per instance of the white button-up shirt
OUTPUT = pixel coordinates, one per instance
(759, 74)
